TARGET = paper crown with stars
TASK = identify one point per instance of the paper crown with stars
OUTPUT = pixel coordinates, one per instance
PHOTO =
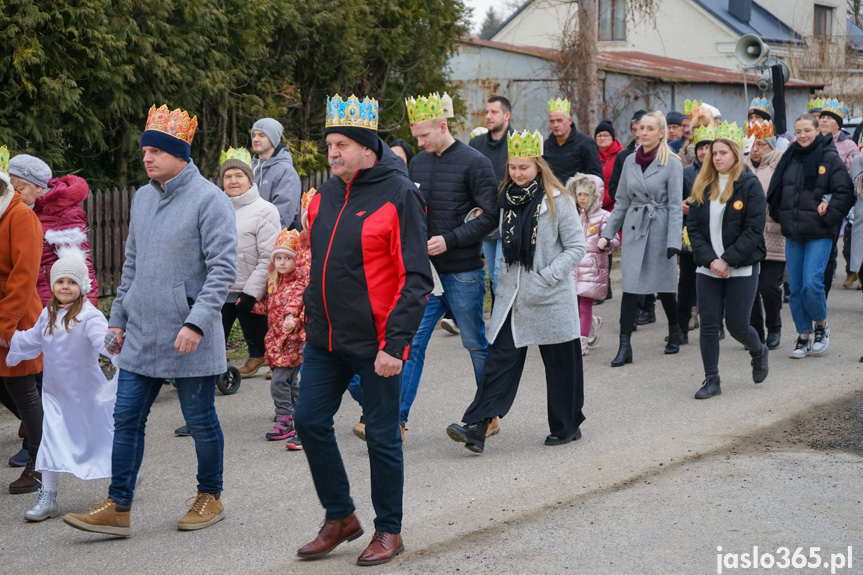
(524, 145)
(834, 108)
(352, 113)
(761, 130)
(814, 105)
(559, 106)
(690, 105)
(704, 134)
(730, 132)
(424, 108)
(761, 105)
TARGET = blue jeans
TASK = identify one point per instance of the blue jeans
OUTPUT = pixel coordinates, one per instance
(806, 261)
(135, 396)
(492, 251)
(325, 378)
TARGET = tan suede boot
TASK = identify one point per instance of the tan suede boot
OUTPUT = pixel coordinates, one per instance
(251, 367)
(204, 511)
(103, 517)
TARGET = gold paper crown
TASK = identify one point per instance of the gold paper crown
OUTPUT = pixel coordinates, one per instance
(559, 106)
(761, 130)
(287, 240)
(425, 108)
(814, 104)
(836, 107)
(731, 132)
(762, 105)
(175, 124)
(239, 154)
(352, 112)
(690, 105)
(4, 159)
(524, 145)
(307, 198)
(704, 134)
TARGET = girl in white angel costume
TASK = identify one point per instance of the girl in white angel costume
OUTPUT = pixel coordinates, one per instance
(78, 401)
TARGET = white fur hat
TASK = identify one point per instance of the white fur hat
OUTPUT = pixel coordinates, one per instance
(72, 262)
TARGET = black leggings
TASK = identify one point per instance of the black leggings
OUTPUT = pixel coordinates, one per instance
(737, 295)
(629, 309)
(770, 295)
(25, 395)
(254, 328)
(686, 290)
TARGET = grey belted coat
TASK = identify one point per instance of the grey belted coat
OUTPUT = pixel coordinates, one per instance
(648, 209)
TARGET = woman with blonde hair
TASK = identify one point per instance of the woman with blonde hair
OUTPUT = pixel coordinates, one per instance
(726, 230)
(648, 208)
(701, 117)
(536, 302)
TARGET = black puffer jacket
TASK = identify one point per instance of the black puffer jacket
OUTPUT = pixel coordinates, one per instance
(578, 154)
(614, 180)
(690, 172)
(796, 208)
(742, 226)
(453, 184)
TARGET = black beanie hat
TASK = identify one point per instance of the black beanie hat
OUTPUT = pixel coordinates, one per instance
(761, 113)
(362, 136)
(674, 117)
(636, 117)
(835, 116)
(604, 126)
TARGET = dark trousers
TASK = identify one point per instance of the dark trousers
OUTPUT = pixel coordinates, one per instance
(325, 377)
(629, 309)
(768, 296)
(254, 328)
(830, 270)
(685, 290)
(736, 295)
(25, 397)
(647, 302)
(564, 382)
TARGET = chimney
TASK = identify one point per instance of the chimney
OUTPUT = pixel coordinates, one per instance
(741, 9)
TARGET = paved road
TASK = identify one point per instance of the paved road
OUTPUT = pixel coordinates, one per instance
(656, 484)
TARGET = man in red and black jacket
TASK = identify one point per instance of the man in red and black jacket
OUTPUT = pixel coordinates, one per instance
(369, 284)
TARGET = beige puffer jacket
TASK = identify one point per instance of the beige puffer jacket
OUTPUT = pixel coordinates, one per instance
(258, 226)
(773, 238)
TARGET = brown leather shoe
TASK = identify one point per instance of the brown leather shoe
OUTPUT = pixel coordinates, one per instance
(29, 481)
(251, 367)
(384, 547)
(493, 427)
(332, 534)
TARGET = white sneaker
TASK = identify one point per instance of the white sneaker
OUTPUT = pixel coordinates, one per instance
(595, 324)
(449, 325)
(822, 339)
(802, 349)
(585, 350)
(45, 508)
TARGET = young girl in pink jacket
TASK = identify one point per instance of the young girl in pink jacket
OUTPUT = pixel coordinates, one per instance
(591, 274)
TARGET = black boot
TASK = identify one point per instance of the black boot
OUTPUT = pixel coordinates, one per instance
(472, 434)
(674, 336)
(709, 387)
(759, 366)
(645, 317)
(773, 339)
(624, 352)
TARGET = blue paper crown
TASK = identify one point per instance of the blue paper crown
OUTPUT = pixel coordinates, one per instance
(834, 106)
(761, 104)
(352, 112)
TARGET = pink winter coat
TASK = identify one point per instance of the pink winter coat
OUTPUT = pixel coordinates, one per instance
(591, 274)
(60, 209)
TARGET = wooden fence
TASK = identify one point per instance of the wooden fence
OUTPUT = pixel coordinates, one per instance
(108, 223)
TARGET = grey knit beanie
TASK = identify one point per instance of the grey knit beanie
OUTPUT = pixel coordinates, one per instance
(30, 168)
(271, 128)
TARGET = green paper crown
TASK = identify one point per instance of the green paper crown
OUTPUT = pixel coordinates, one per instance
(4, 159)
(524, 145)
(422, 108)
(731, 132)
(814, 104)
(352, 112)
(704, 134)
(690, 105)
(241, 154)
(559, 106)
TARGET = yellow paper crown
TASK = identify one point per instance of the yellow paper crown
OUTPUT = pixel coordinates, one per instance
(559, 106)
(239, 154)
(704, 134)
(424, 108)
(836, 107)
(352, 112)
(814, 104)
(761, 130)
(524, 145)
(175, 124)
(690, 105)
(307, 198)
(4, 159)
(731, 132)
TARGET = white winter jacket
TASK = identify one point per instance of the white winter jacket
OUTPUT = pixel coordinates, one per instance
(258, 227)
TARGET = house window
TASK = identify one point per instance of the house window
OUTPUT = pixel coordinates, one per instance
(823, 21)
(612, 20)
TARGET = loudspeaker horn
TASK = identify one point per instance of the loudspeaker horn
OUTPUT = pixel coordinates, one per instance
(750, 50)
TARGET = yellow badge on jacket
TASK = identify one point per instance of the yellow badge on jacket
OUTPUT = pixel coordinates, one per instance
(738, 205)
(592, 229)
(822, 170)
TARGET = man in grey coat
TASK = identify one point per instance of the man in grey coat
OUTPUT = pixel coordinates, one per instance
(166, 320)
(273, 168)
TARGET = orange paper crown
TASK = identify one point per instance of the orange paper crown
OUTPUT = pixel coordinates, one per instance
(307, 198)
(761, 130)
(287, 242)
(175, 124)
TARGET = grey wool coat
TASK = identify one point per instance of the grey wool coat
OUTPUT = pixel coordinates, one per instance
(648, 208)
(543, 300)
(180, 261)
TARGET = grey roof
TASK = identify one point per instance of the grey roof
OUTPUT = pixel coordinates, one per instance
(855, 35)
(762, 23)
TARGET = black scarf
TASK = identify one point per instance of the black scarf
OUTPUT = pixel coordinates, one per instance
(520, 217)
(811, 157)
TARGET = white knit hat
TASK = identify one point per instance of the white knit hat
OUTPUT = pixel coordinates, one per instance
(72, 262)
